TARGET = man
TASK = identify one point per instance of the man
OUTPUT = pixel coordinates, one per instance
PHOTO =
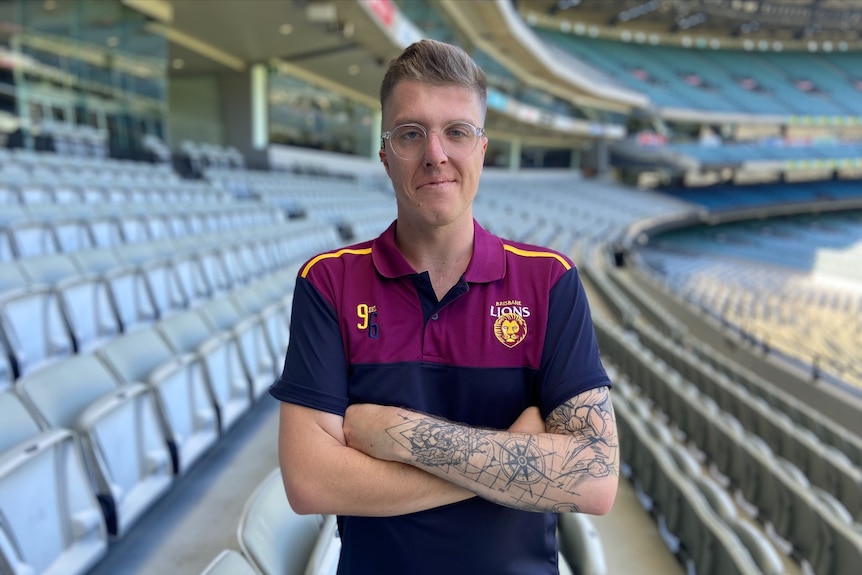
(443, 392)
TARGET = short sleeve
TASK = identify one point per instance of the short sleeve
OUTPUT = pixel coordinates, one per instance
(570, 358)
(315, 369)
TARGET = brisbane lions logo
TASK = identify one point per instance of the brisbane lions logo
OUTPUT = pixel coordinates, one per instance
(510, 329)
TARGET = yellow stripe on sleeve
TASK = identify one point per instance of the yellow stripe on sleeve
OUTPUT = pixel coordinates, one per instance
(326, 256)
(535, 254)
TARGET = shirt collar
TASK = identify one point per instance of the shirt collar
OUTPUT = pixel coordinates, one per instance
(487, 264)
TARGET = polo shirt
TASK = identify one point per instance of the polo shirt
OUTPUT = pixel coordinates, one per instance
(514, 332)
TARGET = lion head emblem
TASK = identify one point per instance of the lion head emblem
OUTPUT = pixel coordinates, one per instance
(510, 329)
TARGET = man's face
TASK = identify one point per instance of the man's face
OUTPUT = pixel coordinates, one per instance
(433, 190)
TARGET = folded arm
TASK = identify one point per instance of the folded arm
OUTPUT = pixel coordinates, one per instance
(322, 475)
(574, 466)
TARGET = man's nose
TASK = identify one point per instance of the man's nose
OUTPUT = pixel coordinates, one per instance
(434, 153)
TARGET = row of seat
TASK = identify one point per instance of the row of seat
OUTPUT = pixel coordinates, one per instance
(121, 422)
(829, 432)
(21, 163)
(819, 528)
(145, 407)
(698, 521)
(821, 434)
(63, 192)
(824, 465)
(74, 303)
(34, 232)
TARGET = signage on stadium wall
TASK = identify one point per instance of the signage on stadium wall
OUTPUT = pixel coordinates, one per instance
(400, 29)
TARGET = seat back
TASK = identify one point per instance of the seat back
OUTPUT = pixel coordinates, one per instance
(166, 290)
(219, 356)
(49, 269)
(131, 298)
(86, 305)
(49, 518)
(276, 540)
(32, 238)
(581, 545)
(34, 328)
(229, 562)
(59, 393)
(134, 356)
(72, 235)
(11, 276)
(191, 277)
(17, 421)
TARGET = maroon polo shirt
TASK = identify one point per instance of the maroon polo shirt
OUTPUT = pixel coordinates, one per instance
(514, 332)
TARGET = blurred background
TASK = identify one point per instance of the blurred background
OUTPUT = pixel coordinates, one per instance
(167, 165)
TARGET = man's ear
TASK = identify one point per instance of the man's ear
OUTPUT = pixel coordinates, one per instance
(382, 155)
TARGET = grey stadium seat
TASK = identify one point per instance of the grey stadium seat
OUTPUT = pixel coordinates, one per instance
(220, 358)
(34, 328)
(50, 521)
(186, 408)
(124, 445)
(580, 544)
(276, 540)
(223, 315)
(229, 562)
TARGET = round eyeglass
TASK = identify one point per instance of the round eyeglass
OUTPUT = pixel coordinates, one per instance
(409, 141)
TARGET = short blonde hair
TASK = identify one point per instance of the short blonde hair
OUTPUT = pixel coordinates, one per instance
(436, 63)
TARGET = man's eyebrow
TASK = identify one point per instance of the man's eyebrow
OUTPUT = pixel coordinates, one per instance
(402, 121)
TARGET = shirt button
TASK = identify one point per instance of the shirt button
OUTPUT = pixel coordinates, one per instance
(434, 317)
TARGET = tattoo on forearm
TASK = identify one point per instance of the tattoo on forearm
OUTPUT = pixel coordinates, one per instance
(532, 469)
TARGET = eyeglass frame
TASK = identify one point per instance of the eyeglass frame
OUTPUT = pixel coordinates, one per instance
(387, 135)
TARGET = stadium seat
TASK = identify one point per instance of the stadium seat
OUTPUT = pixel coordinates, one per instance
(219, 355)
(96, 261)
(327, 550)
(229, 562)
(223, 315)
(31, 238)
(12, 277)
(276, 540)
(165, 288)
(580, 545)
(131, 298)
(34, 329)
(719, 500)
(758, 545)
(49, 269)
(214, 270)
(192, 279)
(86, 306)
(72, 235)
(105, 232)
(124, 445)
(186, 408)
(50, 521)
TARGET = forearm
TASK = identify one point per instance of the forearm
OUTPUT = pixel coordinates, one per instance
(535, 472)
(573, 466)
(322, 475)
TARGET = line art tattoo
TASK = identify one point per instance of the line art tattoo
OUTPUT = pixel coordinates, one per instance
(526, 471)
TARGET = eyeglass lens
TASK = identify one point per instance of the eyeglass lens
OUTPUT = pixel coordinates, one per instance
(458, 139)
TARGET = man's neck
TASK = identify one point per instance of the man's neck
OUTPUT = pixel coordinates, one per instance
(443, 252)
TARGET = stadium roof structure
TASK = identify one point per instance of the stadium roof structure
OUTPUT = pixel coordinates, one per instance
(345, 46)
(785, 20)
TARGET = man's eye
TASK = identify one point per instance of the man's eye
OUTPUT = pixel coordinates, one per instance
(456, 133)
(411, 135)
